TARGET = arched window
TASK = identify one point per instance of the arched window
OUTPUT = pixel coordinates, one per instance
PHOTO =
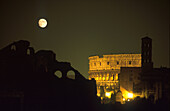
(28, 52)
(116, 77)
(107, 78)
(103, 78)
(13, 47)
(97, 78)
(94, 64)
(58, 74)
(71, 74)
(111, 78)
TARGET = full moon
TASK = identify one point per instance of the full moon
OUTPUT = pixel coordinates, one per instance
(42, 23)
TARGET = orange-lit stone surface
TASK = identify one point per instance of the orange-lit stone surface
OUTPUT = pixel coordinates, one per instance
(105, 70)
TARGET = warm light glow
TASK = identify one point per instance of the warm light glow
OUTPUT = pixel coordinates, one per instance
(124, 99)
(122, 58)
(107, 78)
(97, 78)
(116, 77)
(126, 94)
(128, 99)
(107, 70)
(111, 78)
(130, 95)
(108, 94)
(42, 23)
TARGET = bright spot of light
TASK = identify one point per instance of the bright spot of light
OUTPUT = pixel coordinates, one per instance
(123, 99)
(130, 95)
(108, 94)
(42, 23)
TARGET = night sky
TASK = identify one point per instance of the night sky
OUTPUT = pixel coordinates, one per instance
(78, 29)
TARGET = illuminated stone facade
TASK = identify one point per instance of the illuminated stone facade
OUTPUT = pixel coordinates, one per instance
(105, 70)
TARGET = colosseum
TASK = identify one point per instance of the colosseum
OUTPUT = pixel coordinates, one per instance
(105, 70)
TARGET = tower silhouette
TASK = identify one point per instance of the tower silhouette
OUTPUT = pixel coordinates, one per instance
(147, 63)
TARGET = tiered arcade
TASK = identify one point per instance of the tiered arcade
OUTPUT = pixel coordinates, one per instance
(105, 70)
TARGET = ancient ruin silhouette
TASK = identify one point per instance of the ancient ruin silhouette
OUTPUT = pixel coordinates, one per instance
(28, 81)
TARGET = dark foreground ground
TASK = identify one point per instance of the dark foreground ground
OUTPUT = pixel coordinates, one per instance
(95, 107)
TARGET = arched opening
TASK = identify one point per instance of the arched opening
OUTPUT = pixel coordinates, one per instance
(13, 47)
(28, 52)
(71, 74)
(58, 74)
